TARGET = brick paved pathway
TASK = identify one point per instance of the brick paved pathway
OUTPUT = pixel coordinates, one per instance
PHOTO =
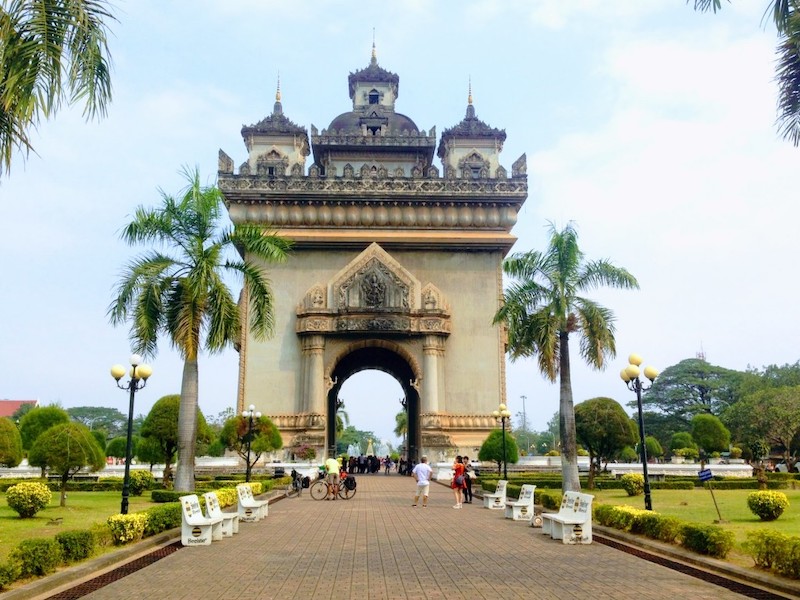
(376, 546)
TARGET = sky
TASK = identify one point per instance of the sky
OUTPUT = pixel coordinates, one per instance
(648, 125)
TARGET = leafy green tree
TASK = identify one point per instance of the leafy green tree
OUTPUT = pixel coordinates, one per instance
(352, 436)
(179, 290)
(265, 437)
(118, 446)
(51, 52)
(492, 449)
(39, 420)
(10, 443)
(710, 434)
(653, 446)
(770, 376)
(109, 420)
(784, 13)
(770, 416)
(401, 427)
(23, 410)
(149, 452)
(691, 387)
(682, 439)
(543, 307)
(662, 426)
(161, 425)
(66, 449)
(604, 429)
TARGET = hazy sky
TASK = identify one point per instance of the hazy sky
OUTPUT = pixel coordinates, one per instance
(649, 125)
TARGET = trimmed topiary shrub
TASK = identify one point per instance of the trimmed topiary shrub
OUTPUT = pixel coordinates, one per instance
(711, 540)
(36, 557)
(633, 484)
(162, 518)
(141, 481)
(28, 498)
(127, 528)
(165, 495)
(9, 573)
(76, 544)
(767, 505)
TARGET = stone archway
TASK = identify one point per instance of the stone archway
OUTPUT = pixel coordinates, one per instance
(392, 359)
(390, 251)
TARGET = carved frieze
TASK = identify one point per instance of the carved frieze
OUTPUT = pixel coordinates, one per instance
(411, 324)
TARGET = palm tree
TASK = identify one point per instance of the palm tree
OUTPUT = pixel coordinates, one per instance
(542, 307)
(786, 16)
(51, 52)
(401, 427)
(180, 292)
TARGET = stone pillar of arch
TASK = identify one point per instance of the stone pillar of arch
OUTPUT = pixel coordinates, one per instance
(314, 374)
(433, 351)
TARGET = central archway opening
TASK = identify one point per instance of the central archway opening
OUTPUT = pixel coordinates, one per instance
(376, 383)
(371, 406)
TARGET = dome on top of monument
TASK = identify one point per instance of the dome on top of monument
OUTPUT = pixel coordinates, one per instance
(352, 121)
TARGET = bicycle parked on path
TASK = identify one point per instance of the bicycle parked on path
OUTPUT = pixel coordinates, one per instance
(296, 486)
(345, 489)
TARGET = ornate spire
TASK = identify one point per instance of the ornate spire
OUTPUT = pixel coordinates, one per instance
(469, 97)
(278, 108)
(374, 59)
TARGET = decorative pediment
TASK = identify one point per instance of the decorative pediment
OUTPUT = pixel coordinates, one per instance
(375, 281)
(432, 299)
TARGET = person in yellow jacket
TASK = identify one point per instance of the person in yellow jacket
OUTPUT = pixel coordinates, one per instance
(332, 471)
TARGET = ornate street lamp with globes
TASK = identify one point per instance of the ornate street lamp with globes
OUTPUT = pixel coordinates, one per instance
(139, 374)
(630, 375)
(503, 414)
(251, 415)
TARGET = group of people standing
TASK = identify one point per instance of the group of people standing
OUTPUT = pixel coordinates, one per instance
(461, 482)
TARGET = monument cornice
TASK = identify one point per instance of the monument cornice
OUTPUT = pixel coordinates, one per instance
(412, 322)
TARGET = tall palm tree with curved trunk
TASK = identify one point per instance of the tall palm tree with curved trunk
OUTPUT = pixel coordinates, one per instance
(51, 51)
(543, 306)
(178, 290)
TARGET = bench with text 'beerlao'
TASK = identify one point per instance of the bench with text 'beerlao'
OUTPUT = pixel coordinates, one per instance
(197, 529)
(572, 524)
(522, 508)
(497, 500)
(230, 521)
(250, 509)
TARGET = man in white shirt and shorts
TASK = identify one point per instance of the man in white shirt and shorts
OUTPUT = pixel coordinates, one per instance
(422, 473)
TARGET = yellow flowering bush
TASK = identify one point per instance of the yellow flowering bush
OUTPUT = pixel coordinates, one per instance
(28, 497)
(127, 528)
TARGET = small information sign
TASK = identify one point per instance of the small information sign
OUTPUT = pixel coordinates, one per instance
(705, 475)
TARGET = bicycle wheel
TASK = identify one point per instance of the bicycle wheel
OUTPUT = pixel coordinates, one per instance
(345, 493)
(318, 489)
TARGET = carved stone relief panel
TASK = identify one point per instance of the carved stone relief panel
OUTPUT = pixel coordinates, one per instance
(375, 281)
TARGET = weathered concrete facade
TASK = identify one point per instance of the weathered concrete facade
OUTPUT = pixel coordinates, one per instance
(395, 267)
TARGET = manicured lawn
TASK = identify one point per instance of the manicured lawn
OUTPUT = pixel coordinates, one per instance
(83, 510)
(698, 507)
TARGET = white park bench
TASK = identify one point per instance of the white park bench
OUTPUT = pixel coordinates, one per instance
(522, 508)
(250, 509)
(230, 521)
(496, 501)
(572, 524)
(197, 529)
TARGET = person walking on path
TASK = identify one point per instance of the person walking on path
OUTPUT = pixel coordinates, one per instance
(467, 481)
(332, 470)
(422, 473)
(458, 482)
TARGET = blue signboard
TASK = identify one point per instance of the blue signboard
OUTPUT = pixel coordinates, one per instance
(705, 475)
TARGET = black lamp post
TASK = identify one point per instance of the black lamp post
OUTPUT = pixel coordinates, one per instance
(503, 413)
(630, 375)
(139, 373)
(251, 415)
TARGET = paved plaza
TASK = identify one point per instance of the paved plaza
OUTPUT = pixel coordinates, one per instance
(376, 546)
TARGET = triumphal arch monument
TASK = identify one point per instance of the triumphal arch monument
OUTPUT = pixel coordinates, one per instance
(396, 266)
